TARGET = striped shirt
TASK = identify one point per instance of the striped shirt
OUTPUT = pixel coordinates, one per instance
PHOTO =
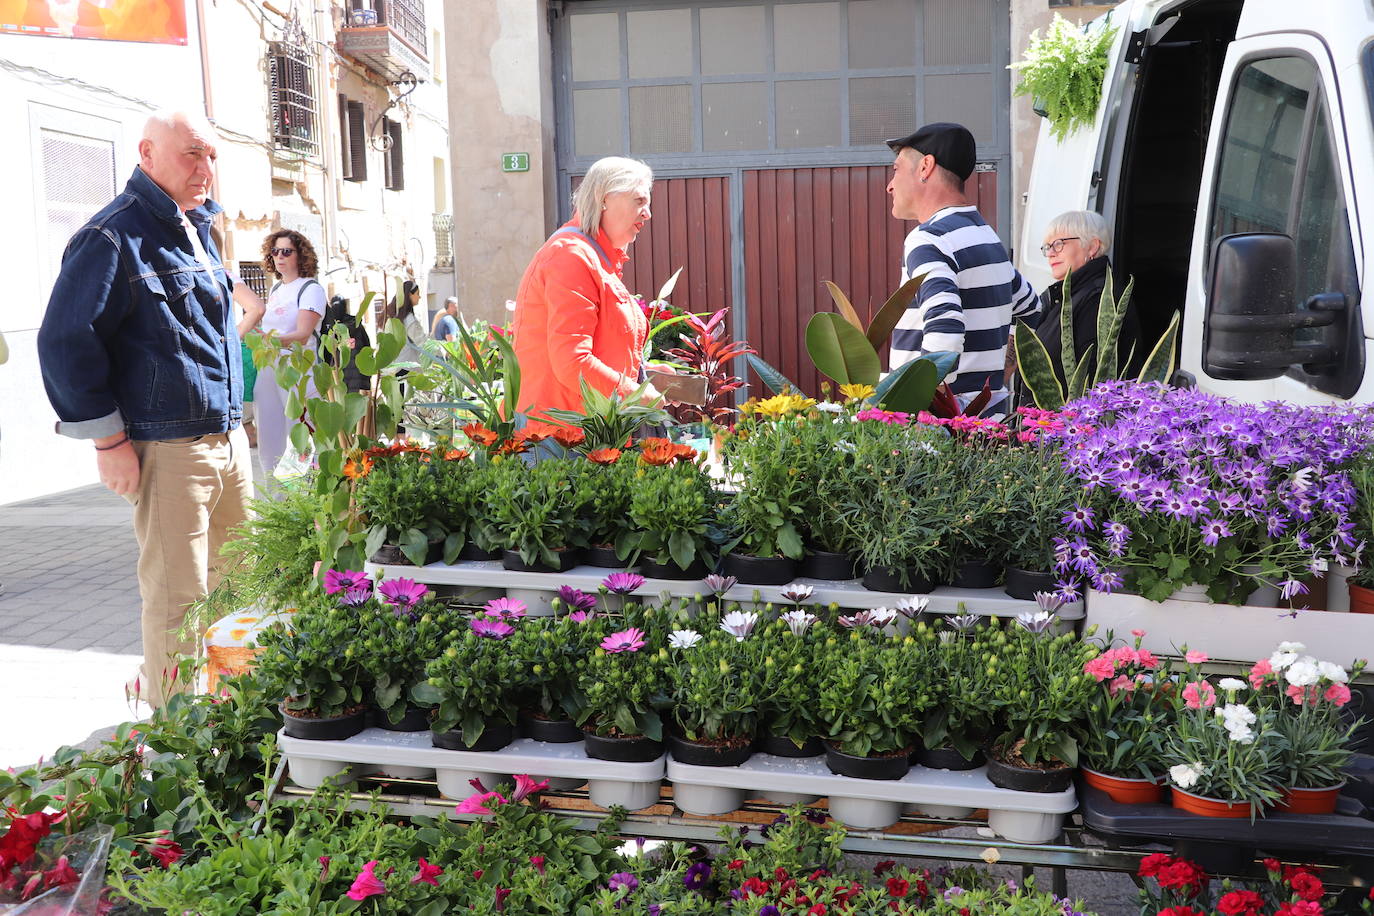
(967, 303)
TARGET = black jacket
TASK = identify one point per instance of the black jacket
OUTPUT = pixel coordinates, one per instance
(1085, 287)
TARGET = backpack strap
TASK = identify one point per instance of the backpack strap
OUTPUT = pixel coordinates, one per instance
(600, 252)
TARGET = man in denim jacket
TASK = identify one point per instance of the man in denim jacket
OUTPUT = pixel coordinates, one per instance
(140, 355)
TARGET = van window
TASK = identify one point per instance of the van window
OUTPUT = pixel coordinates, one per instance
(1278, 172)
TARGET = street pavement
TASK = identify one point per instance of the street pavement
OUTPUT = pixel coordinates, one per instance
(69, 639)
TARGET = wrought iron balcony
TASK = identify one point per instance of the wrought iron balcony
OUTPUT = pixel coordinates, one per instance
(387, 36)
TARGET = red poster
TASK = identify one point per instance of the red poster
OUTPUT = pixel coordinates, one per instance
(162, 21)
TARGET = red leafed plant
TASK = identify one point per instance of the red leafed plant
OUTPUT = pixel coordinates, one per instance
(708, 350)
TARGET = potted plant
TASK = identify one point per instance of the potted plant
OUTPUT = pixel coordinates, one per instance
(975, 560)
(535, 510)
(765, 515)
(474, 687)
(672, 505)
(1361, 584)
(1041, 695)
(548, 648)
(1121, 749)
(395, 490)
(956, 725)
(607, 487)
(622, 682)
(713, 689)
(786, 648)
(1306, 697)
(313, 663)
(1063, 71)
(824, 459)
(873, 691)
(399, 633)
(459, 509)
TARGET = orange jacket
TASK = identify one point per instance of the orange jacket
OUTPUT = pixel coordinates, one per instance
(575, 319)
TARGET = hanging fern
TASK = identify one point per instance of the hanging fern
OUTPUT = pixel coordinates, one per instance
(1063, 72)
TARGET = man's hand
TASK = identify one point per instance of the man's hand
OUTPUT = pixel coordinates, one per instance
(1010, 369)
(118, 467)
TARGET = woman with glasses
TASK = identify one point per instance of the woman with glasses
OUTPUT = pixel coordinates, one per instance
(1076, 245)
(295, 306)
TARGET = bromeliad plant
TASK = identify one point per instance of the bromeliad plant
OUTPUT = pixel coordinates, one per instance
(1131, 713)
(713, 681)
(873, 692)
(475, 683)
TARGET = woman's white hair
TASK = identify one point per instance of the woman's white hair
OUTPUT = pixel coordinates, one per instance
(606, 176)
(1084, 225)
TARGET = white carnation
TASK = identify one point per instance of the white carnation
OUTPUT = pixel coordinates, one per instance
(1231, 684)
(1333, 672)
(1281, 659)
(1303, 673)
(1290, 647)
(1186, 775)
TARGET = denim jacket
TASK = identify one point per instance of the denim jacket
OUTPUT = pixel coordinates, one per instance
(138, 335)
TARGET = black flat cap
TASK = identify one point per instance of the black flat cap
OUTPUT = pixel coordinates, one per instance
(951, 144)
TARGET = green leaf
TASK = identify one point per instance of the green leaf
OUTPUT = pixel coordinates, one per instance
(1159, 365)
(682, 548)
(844, 305)
(355, 408)
(366, 361)
(1068, 354)
(1033, 363)
(427, 693)
(790, 541)
(775, 380)
(892, 311)
(908, 388)
(841, 351)
(1110, 315)
(1078, 382)
(300, 438)
(414, 545)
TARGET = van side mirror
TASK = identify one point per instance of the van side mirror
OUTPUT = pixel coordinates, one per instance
(1251, 314)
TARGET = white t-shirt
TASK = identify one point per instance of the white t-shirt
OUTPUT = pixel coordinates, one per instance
(281, 304)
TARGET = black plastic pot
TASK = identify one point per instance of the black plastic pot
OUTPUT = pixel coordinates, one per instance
(708, 755)
(638, 749)
(783, 746)
(842, 764)
(494, 737)
(416, 719)
(391, 555)
(975, 574)
(947, 758)
(833, 567)
(567, 559)
(1027, 779)
(752, 570)
(652, 570)
(603, 557)
(435, 554)
(890, 579)
(550, 731)
(1024, 583)
(471, 551)
(334, 729)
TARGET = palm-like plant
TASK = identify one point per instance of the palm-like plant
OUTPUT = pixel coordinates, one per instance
(708, 352)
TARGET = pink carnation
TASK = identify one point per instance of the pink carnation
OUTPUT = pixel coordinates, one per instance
(1100, 668)
(1195, 658)
(1199, 695)
(1338, 694)
(1122, 682)
(1146, 659)
(1258, 672)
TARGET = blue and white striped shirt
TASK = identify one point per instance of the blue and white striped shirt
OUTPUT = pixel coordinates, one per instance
(967, 303)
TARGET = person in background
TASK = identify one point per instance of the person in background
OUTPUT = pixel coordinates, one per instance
(295, 306)
(971, 293)
(574, 318)
(140, 355)
(339, 313)
(445, 325)
(253, 308)
(415, 331)
(1077, 245)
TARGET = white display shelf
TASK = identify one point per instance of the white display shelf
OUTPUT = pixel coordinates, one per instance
(1238, 633)
(1020, 817)
(632, 785)
(530, 586)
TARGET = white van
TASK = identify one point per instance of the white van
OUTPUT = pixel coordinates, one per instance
(1233, 154)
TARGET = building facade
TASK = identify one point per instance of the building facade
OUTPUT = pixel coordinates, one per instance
(332, 120)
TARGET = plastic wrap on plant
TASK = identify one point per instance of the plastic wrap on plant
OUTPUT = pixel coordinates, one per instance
(86, 852)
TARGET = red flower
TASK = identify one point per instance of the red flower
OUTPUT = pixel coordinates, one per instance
(61, 874)
(1301, 908)
(501, 894)
(898, 887)
(1240, 903)
(817, 910)
(1307, 886)
(1273, 865)
(735, 864)
(428, 874)
(883, 867)
(1183, 875)
(1151, 864)
(455, 454)
(755, 887)
(18, 844)
(780, 873)
(1181, 911)
(165, 851)
(538, 863)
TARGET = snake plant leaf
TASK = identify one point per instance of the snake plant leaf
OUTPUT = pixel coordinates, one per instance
(908, 388)
(1068, 353)
(666, 289)
(1159, 365)
(772, 378)
(1033, 363)
(1111, 316)
(843, 304)
(1078, 382)
(880, 329)
(841, 351)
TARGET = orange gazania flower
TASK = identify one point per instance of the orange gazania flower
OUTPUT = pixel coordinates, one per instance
(455, 454)
(604, 455)
(529, 435)
(656, 451)
(480, 435)
(357, 468)
(569, 436)
(514, 446)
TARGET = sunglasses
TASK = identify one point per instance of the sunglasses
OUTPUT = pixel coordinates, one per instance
(1057, 245)
(283, 252)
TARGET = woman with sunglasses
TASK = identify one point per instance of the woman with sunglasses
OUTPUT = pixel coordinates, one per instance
(294, 308)
(1076, 245)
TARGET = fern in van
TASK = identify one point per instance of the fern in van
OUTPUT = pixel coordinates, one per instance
(1063, 72)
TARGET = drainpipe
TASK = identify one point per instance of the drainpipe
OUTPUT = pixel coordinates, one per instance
(205, 80)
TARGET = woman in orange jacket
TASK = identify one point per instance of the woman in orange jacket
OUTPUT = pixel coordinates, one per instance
(574, 318)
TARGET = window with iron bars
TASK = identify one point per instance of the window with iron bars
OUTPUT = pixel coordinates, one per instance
(404, 17)
(254, 277)
(291, 90)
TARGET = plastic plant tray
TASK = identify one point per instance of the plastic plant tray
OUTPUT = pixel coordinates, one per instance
(846, 594)
(633, 785)
(1021, 817)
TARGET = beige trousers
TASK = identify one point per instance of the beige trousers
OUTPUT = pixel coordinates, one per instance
(192, 492)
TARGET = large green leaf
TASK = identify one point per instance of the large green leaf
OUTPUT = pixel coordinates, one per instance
(1109, 333)
(841, 351)
(390, 340)
(511, 373)
(1078, 382)
(844, 305)
(910, 387)
(775, 380)
(414, 545)
(328, 417)
(880, 329)
(682, 548)
(1033, 363)
(1159, 365)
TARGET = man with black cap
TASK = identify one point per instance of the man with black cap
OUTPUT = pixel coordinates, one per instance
(971, 293)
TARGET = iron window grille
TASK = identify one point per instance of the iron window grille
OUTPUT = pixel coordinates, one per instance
(291, 88)
(254, 276)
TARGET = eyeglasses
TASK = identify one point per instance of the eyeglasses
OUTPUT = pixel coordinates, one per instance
(283, 252)
(1057, 245)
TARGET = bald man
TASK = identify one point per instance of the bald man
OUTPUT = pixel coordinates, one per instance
(140, 356)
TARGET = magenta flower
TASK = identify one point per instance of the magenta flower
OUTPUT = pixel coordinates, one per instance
(574, 599)
(491, 629)
(366, 884)
(525, 786)
(580, 616)
(889, 417)
(631, 640)
(336, 581)
(428, 874)
(505, 608)
(477, 804)
(622, 583)
(623, 880)
(402, 594)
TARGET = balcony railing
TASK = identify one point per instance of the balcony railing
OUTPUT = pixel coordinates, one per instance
(387, 35)
(443, 240)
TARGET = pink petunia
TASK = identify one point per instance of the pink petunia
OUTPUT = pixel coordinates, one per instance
(366, 884)
(477, 804)
(428, 874)
(525, 786)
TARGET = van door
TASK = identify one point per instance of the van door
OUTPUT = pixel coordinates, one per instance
(1278, 161)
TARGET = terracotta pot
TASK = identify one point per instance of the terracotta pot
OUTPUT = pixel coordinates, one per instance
(1361, 599)
(1310, 801)
(1125, 790)
(1209, 807)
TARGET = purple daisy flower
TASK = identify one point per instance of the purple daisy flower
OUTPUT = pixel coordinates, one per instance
(574, 599)
(356, 597)
(631, 640)
(505, 608)
(580, 616)
(491, 629)
(402, 593)
(1079, 518)
(346, 581)
(622, 583)
(1213, 531)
